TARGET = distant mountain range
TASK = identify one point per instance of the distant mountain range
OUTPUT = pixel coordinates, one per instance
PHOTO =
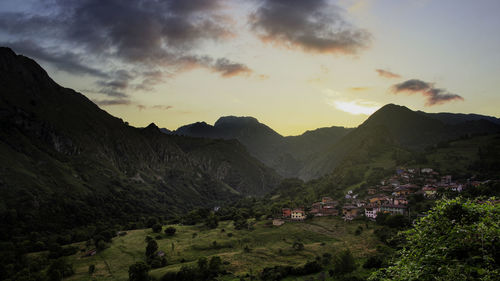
(316, 153)
(286, 155)
(64, 162)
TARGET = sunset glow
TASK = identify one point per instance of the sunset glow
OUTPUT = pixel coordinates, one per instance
(179, 62)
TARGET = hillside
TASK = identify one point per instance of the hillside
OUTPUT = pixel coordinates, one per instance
(269, 246)
(65, 163)
(286, 155)
(392, 128)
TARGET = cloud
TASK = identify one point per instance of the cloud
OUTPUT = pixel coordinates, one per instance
(62, 59)
(387, 74)
(355, 107)
(108, 102)
(228, 69)
(162, 107)
(159, 107)
(359, 89)
(433, 96)
(150, 39)
(313, 26)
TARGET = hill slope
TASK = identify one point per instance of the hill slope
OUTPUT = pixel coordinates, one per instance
(65, 163)
(394, 127)
(286, 155)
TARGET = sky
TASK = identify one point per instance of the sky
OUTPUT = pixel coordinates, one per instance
(295, 65)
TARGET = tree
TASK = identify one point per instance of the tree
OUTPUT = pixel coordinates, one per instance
(91, 269)
(60, 268)
(458, 240)
(202, 263)
(344, 263)
(170, 231)
(212, 221)
(215, 264)
(156, 228)
(151, 248)
(298, 246)
(138, 272)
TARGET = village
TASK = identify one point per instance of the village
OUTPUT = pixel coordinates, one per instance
(390, 197)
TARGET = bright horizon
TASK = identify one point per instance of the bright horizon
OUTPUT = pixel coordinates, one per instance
(294, 65)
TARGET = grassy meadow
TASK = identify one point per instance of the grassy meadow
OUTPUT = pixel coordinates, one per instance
(268, 246)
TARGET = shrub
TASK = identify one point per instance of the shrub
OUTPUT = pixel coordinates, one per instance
(457, 240)
(156, 228)
(170, 231)
(344, 263)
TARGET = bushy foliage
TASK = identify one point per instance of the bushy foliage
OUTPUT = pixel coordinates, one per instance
(458, 240)
(151, 248)
(344, 263)
(138, 272)
(156, 228)
(279, 272)
(205, 270)
(170, 231)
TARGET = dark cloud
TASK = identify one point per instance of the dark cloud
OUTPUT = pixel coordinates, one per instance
(160, 107)
(62, 59)
(108, 102)
(387, 74)
(433, 96)
(151, 39)
(228, 69)
(313, 25)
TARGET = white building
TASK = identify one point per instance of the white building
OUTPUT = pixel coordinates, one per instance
(371, 212)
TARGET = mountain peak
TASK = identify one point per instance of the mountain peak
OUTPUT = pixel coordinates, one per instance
(152, 128)
(236, 120)
(23, 69)
(6, 52)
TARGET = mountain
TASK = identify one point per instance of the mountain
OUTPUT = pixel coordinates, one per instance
(394, 127)
(65, 163)
(286, 155)
(456, 118)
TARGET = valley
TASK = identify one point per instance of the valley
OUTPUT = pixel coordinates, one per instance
(229, 201)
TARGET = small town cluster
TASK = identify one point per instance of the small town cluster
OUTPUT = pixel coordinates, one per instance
(390, 196)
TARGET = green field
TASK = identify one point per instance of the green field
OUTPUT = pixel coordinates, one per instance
(269, 245)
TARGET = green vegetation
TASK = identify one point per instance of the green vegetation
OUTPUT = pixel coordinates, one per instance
(458, 240)
(269, 246)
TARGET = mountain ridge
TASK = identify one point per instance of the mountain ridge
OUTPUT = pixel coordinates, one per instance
(66, 163)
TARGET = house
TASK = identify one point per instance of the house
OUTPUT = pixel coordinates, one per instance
(371, 211)
(160, 254)
(386, 188)
(429, 191)
(326, 200)
(286, 212)
(393, 209)
(90, 253)
(350, 211)
(329, 212)
(278, 222)
(379, 199)
(401, 191)
(446, 180)
(372, 191)
(457, 187)
(298, 214)
(400, 201)
(426, 170)
(359, 203)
